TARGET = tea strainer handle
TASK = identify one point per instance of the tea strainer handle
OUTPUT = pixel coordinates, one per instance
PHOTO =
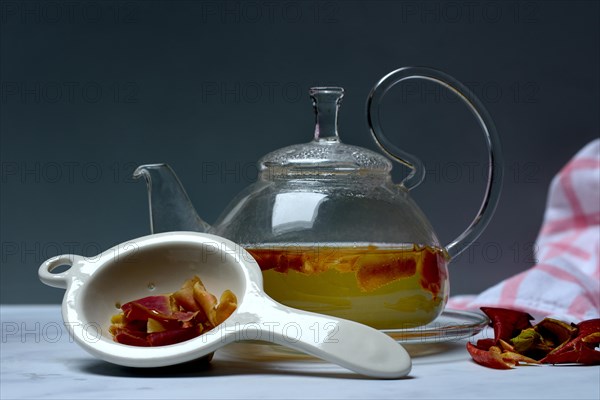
(495, 168)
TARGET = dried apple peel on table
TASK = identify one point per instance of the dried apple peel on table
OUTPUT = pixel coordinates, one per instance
(171, 318)
(516, 341)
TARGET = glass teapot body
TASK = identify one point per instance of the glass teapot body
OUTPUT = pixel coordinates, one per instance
(355, 247)
(330, 230)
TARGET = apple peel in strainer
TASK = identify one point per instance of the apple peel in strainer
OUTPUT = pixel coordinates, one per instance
(171, 318)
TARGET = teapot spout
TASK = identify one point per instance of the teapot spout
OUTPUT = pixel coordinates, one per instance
(170, 206)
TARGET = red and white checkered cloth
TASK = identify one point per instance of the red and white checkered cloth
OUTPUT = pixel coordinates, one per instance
(565, 283)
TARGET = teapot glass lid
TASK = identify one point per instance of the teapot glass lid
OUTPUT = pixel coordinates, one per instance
(325, 153)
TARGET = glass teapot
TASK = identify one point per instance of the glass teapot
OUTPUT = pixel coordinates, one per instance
(330, 230)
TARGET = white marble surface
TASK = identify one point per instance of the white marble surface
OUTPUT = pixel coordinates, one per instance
(39, 360)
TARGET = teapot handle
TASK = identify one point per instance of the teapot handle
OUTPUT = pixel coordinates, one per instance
(495, 168)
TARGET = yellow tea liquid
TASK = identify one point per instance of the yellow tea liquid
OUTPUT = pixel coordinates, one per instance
(378, 285)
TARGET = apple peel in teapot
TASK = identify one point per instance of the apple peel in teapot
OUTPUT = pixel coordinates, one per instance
(373, 267)
(171, 318)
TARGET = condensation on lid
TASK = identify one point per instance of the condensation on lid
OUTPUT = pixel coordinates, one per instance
(325, 154)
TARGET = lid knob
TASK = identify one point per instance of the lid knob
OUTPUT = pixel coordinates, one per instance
(326, 102)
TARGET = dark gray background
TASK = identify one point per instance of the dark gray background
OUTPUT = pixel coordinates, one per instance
(92, 89)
